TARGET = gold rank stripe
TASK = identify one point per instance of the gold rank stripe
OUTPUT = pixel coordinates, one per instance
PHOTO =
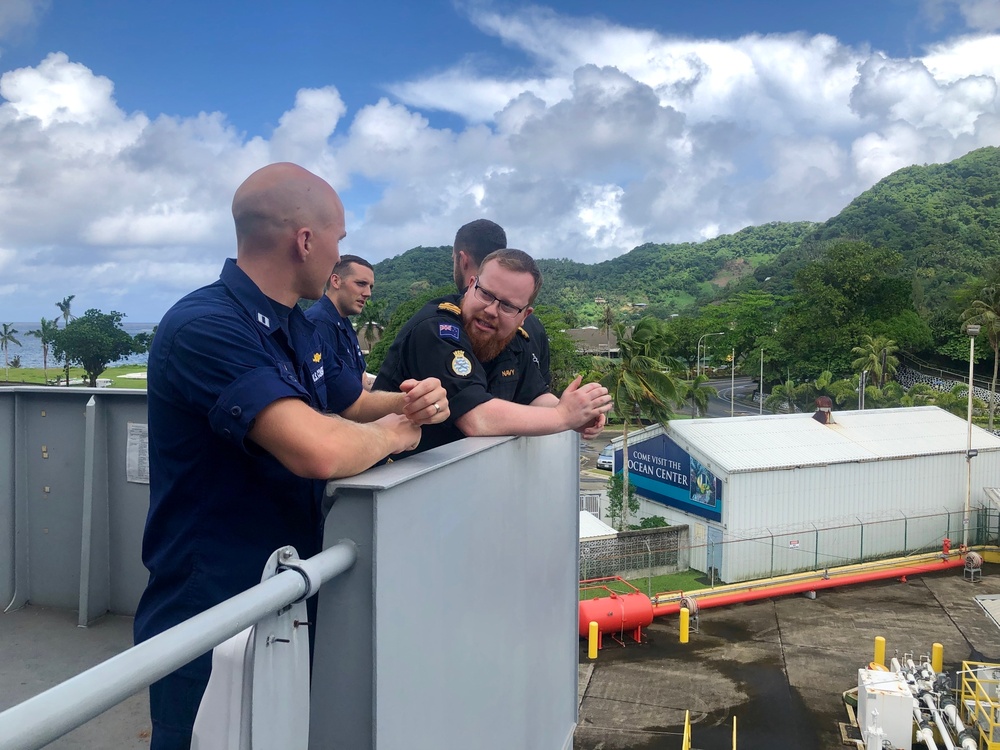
(450, 307)
(523, 333)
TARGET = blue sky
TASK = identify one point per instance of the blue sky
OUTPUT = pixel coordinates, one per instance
(585, 128)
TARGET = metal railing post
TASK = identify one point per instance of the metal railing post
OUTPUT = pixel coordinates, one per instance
(49, 715)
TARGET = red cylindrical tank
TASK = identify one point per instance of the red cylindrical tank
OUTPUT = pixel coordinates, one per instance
(616, 613)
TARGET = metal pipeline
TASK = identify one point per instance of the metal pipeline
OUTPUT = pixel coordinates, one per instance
(943, 728)
(951, 713)
(754, 593)
(940, 686)
(924, 732)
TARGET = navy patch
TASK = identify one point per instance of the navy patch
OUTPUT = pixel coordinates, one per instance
(449, 331)
(460, 364)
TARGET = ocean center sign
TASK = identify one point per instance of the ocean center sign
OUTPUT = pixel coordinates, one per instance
(664, 473)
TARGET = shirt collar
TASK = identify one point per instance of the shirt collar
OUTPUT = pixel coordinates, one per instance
(258, 305)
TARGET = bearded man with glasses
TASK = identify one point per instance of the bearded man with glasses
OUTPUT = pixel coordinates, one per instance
(464, 340)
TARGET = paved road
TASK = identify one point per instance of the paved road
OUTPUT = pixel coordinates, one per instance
(735, 397)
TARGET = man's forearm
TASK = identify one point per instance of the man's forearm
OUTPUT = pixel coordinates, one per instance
(499, 417)
(372, 405)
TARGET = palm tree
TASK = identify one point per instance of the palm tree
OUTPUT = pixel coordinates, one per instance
(889, 395)
(607, 323)
(66, 316)
(956, 400)
(7, 338)
(45, 333)
(821, 386)
(846, 392)
(783, 395)
(697, 393)
(639, 382)
(373, 321)
(876, 356)
(985, 312)
(920, 394)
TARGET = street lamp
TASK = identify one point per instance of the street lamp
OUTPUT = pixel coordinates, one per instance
(732, 383)
(697, 366)
(760, 409)
(971, 331)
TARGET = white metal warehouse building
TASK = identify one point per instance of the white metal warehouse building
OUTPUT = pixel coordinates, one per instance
(772, 494)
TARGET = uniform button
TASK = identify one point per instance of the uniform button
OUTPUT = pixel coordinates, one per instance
(236, 411)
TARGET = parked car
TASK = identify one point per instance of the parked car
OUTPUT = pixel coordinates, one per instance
(607, 458)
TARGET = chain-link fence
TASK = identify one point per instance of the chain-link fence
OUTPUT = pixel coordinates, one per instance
(634, 554)
(772, 552)
(778, 551)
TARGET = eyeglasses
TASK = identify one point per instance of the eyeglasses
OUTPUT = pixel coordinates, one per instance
(505, 307)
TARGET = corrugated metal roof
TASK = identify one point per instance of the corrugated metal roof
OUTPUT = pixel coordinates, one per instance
(783, 441)
(591, 526)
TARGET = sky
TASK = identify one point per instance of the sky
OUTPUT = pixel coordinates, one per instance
(584, 127)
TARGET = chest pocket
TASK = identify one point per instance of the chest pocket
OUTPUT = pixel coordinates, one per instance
(503, 382)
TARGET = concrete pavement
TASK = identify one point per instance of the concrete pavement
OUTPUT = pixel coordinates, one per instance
(778, 665)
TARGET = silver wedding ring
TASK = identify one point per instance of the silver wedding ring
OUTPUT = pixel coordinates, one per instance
(437, 408)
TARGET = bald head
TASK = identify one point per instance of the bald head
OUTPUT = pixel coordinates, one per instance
(278, 200)
(289, 224)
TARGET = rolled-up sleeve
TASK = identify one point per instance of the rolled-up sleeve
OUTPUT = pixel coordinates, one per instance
(219, 367)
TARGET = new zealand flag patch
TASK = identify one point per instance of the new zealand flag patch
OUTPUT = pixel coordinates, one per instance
(448, 331)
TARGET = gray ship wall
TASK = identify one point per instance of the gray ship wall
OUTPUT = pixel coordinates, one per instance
(70, 522)
(457, 625)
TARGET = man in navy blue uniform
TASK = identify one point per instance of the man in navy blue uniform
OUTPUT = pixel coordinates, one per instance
(240, 445)
(473, 242)
(351, 284)
(465, 342)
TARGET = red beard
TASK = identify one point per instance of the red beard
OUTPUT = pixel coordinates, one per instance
(486, 346)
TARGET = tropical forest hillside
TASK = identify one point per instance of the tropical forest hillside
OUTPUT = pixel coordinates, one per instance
(902, 261)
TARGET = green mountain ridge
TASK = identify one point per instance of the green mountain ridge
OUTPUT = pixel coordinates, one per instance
(943, 219)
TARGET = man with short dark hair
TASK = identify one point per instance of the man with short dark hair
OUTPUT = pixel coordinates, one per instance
(240, 446)
(351, 284)
(473, 242)
(465, 342)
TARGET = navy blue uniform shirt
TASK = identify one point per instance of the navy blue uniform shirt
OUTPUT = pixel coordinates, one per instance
(338, 333)
(219, 505)
(537, 346)
(433, 343)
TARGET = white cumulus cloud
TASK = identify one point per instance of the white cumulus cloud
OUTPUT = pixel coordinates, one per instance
(604, 138)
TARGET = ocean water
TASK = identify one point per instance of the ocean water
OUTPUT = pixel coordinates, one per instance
(30, 350)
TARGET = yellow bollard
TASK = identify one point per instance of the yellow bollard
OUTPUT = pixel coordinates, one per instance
(685, 624)
(937, 657)
(880, 650)
(593, 640)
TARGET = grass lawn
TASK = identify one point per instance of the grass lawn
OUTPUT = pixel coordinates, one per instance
(36, 376)
(687, 580)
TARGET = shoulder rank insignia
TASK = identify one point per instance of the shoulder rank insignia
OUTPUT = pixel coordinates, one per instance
(523, 333)
(317, 357)
(450, 307)
(460, 364)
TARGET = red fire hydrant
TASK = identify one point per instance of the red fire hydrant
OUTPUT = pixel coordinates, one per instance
(946, 547)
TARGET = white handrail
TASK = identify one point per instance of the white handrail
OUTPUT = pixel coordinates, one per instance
(49, 715)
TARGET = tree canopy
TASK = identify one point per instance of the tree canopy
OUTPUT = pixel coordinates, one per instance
(96, 339)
